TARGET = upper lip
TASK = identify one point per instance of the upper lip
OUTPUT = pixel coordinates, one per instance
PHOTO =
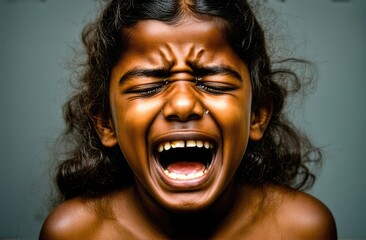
(183, 136)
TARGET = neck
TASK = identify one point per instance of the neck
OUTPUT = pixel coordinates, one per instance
(193, 225)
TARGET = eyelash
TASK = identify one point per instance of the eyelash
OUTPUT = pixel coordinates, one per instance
(213, 89)
(149, 89)
(153, 88)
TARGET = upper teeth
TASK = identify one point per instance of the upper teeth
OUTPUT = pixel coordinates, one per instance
(182, 144)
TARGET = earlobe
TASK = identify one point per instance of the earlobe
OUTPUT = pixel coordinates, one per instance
(105, 131)
(259, 123)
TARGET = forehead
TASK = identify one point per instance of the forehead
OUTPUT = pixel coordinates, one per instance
(190, 40)
(191, 26)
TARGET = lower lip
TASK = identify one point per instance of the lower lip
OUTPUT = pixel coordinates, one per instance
(185, 184)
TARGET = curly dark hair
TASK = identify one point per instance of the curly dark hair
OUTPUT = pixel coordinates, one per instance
(90, 169)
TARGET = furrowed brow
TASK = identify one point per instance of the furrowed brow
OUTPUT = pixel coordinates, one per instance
(217, 69)
(145, 72)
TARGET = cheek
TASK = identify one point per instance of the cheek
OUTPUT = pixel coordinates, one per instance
(131, 120)
(233, 117)
(131, 117)
(236, 126)
(233, 114)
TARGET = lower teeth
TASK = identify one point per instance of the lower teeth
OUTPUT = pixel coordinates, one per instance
(179, 176)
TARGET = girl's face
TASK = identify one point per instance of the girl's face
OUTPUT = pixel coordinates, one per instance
(180, 103)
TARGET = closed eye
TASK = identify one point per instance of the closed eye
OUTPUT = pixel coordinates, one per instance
(148, 89)
(215, 87)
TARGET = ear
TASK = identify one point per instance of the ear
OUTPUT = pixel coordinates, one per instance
(259, 121)
(105, 131)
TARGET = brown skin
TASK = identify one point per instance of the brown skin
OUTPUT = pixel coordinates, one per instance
(145, 113)
(271, 212)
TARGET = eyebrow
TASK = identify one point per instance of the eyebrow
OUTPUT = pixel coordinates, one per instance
(217, 69)
(145, 72)
(164, 72)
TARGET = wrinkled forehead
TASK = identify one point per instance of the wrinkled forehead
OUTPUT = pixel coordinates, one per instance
(189, 33)
(184, 47)
(187, 30)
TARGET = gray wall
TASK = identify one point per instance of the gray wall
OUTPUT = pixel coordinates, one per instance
(36, 37)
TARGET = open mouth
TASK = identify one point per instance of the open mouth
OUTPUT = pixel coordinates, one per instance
(185, 160)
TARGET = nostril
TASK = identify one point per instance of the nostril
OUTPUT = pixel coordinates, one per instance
(176, 117)
(177, 111)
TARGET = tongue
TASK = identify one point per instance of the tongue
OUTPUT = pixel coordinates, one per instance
(185, 167)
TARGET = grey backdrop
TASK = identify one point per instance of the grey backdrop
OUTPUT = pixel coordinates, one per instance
(36, 37)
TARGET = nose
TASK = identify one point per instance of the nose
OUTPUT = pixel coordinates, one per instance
(183, 103)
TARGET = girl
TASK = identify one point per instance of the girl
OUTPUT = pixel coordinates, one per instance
(177, 131)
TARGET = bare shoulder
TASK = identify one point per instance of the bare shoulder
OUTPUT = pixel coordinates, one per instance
(70, 220)
(302, 216)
